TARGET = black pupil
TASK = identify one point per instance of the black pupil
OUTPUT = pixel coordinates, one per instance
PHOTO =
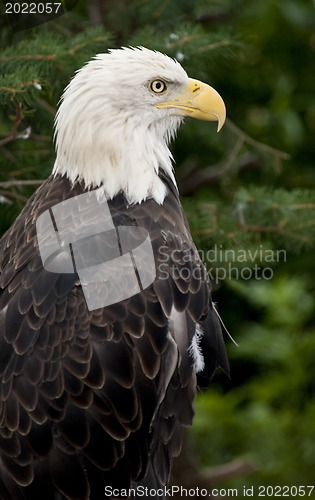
(158, 85)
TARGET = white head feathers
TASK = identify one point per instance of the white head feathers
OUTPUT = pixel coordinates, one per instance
(109, 131)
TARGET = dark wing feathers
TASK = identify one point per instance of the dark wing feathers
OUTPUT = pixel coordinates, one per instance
(97, 398)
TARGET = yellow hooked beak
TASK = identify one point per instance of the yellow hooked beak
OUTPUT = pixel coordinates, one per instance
(200, 101)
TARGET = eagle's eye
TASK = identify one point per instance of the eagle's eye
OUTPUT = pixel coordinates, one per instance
(158, 86)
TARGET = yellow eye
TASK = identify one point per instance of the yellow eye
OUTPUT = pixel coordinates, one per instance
(158, 86)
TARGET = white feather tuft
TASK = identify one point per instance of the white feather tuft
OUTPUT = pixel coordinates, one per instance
(195, 349)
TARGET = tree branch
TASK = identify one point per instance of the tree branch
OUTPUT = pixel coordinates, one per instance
(17, 196)
(192, 179)
(215, 45)
(235, 468)
(256, 144)
(278, 229)
(188, 473)
(18, 183)
(30, 57)
(15, 134)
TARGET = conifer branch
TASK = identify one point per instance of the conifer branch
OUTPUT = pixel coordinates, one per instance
(84, 44)
(47, 106)
(279, 229)
(15, 134)
(20, 182)
(29, 57)
(17, 196)
(193, 179)
(190, 38)
(303, 206)
(53, 56)
(256, 144)
(182, 41)
(189, 474)
(12, 137)
(233, 154)
(215, 45)
(23, 84)
(235, 468)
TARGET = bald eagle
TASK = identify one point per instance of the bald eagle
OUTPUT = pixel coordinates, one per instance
(96, 390)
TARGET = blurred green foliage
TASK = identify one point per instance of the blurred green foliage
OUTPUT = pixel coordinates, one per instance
(248, 189)
(268, 417)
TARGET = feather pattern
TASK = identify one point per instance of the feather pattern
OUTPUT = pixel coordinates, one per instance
(94, 392)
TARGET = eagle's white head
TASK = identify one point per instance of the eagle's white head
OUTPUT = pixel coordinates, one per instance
(117, 116)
